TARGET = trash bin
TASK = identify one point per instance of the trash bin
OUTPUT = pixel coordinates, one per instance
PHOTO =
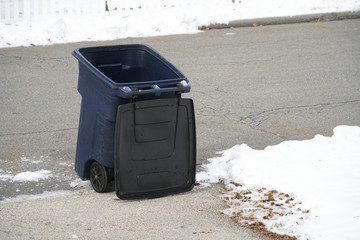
(133, 119)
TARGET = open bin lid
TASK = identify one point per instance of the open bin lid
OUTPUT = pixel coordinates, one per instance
(155, 148)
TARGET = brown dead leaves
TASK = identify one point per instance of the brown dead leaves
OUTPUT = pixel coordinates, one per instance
(66, 169)
(255, 207)
(207, 231)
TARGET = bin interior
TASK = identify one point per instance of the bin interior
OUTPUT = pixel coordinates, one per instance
(126, 65)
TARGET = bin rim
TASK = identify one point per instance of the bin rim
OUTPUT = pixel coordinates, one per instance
(110, 83)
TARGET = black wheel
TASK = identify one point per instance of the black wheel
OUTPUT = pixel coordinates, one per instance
(98, 177)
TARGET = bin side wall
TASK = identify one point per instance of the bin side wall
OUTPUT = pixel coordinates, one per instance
(97, 122)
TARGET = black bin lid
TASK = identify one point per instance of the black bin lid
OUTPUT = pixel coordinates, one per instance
(155, 148)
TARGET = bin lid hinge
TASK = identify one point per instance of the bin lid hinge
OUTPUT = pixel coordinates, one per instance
(135, 94)
(180, 91)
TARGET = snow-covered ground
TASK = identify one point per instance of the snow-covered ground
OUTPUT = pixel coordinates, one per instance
(308, 189)
(181, 17)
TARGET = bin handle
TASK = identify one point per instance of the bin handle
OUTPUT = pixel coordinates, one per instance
(131, 92)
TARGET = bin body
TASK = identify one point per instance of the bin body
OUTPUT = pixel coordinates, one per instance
(110, 76)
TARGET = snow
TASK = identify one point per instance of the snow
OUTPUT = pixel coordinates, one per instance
(26, 176)
(80, 187)
(320, 176)
(5, 177)
(182, 17)
(32, 176)
(40, 160)
(44, 195)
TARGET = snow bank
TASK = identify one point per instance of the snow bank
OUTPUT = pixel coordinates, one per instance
(183, 17)
(322, 174)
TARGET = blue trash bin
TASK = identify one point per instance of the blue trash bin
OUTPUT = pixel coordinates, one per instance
(110, 76)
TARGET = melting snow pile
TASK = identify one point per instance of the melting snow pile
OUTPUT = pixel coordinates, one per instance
(308, 189)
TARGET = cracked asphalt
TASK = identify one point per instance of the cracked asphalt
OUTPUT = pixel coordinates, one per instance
(255, 85)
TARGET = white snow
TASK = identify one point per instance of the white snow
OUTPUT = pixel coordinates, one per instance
(26, 159)
(44, 195)
(153, 19)
(321, 177)
(81, 187)
(5, 177)
(26, 176)
(85, 185)
(32, 176)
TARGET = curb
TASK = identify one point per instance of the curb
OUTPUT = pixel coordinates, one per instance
(319, 17)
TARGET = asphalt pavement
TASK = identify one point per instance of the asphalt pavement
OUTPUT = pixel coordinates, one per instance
(255, 85)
